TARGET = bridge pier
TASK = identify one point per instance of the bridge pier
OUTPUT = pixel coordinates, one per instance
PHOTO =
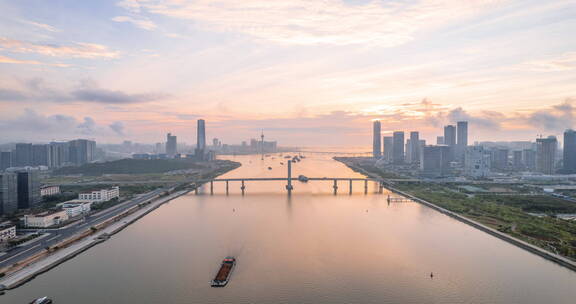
(289, 186)
(335, 187)
(211, 187)
(350, 187)
(226, 187)
(380, 188)
(243, 187)
(196, 189)
(365, 186)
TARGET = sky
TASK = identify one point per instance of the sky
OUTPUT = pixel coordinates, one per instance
(307, 72)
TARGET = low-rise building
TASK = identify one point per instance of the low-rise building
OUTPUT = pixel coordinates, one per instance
(7, 232)
(100, 195)
(75, 208)
(49, 190)
(45, 219)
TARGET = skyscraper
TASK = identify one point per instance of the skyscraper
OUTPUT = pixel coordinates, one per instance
(171, 145)
(450, 139)
(28, 189)
(40, 155)
(414, 147)
(462, 139)
(5, 160)
(22, 155)
(569, 152)
(398, 148)
(435, 161)
(82, 151)
(388, 148)
(476, 162)
(376, 141)
(201, 135)
(546, 154)
(439, 140)
(8, 193)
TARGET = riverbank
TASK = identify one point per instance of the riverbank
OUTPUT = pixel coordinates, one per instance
(418, 197)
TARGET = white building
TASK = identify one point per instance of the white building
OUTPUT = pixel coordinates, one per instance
(101, 195)
(75, 208)
(45, 219)
(49, 190)
(476, 162)
(7, 232)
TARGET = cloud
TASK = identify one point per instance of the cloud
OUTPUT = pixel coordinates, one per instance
(88, 126)
(36, 89)
(563, 62)
(555, 118)
(141, 23)
(43, 26)
(486, 120)
(4, 59)
(117, 127)
(305, 22)
(77, 50)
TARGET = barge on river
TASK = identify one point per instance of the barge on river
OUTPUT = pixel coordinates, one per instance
(223, 275)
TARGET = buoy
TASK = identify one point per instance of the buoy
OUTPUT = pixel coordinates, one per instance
(431, 274)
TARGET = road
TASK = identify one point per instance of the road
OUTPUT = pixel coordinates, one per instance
(58, 235)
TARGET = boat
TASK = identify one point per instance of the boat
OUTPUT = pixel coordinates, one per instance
(223, 275)
(303, 178)
(42, 300)
(287, 156)
(269, 168)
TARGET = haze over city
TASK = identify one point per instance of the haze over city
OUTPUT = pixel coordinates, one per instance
(305, 71)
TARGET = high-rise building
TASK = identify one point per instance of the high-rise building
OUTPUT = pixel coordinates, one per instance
(461, 139)
(569, 153)
(439, 140)
(476, 162)
(201, 135)
(500, 159)
(5, 160)
(435, 161)
(529, 159)
(60, 153)
(28, 189)
(171, 145)
(82, 151)
(22, 155)
(398, 147)
(450, 139)
(388, 148)
(414, 147)
(40, 155)
(546, 149)
(8, 193)
(376, 141)
(517, 160)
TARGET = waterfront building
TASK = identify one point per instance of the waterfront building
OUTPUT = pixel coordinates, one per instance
(8, 193)
(75, 208)
(569, 153)
(200, 152)
(45, 219)
(476, 162)
(103, 195)
(48, 190)
(546, 149)
(28, 189)
(414, 147)
(376, 139)
(388, 148)
(450, 139)
(398, 147)
(7, 232)
(171, 145)
(461, 139)
(435, 161)
(5, 160)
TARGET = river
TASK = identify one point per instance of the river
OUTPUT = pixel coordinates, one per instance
(313, 247)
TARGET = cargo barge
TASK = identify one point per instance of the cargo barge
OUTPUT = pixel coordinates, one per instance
(223, 275)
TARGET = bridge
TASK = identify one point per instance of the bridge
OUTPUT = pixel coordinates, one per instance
(289, 179)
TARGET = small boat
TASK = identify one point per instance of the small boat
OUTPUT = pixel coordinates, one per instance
(303, 178)
(42, 300)
(223, 275)
(269, 168)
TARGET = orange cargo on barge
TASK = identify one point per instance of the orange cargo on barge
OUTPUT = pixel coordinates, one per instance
(223, 275)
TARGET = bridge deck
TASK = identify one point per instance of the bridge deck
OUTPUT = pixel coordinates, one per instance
(293, 179)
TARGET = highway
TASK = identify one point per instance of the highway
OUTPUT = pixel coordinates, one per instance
(58, 235)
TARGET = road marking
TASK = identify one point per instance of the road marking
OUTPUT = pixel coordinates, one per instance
(20, 253)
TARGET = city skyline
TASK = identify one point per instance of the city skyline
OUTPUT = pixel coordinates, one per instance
(507, 67)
